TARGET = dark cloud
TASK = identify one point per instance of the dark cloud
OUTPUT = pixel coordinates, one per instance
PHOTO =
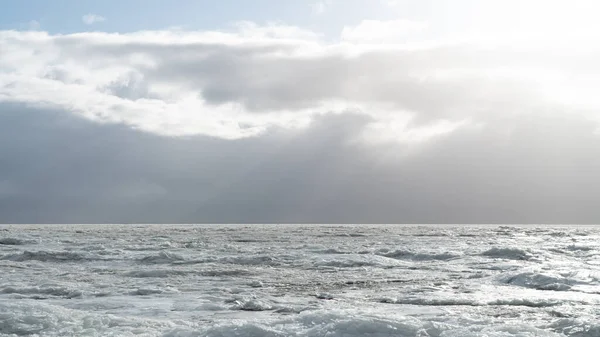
(55, 167)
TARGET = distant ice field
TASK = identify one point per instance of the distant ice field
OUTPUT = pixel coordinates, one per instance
(299, 280)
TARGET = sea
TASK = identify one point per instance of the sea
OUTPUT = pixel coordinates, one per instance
(299, 280)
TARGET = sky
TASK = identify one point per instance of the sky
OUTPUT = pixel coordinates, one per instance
(281, 111)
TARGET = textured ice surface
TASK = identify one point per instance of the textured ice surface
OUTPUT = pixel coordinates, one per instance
(293, 280)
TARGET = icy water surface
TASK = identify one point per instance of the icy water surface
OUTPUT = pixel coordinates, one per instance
(293, 280)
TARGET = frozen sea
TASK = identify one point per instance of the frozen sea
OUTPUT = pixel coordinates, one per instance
(299, 280)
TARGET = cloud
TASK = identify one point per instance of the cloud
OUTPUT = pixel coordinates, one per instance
(56, 167)
(34, 25)
(245, 81)
(320, 7)
(275, 123)
(90, 19)
(390, 3)
(377, 31)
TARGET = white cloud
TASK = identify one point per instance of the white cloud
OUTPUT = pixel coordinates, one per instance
(241, 83)
(320, 7)
(391, 3)
(376, 31)
(90, 19)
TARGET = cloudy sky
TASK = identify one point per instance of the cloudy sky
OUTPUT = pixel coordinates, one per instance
(326, 111)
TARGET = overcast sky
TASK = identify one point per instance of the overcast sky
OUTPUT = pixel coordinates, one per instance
(331, 111)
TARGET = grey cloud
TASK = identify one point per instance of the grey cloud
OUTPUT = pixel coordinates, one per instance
(272, 76)
(55, 167)
(399, 78)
